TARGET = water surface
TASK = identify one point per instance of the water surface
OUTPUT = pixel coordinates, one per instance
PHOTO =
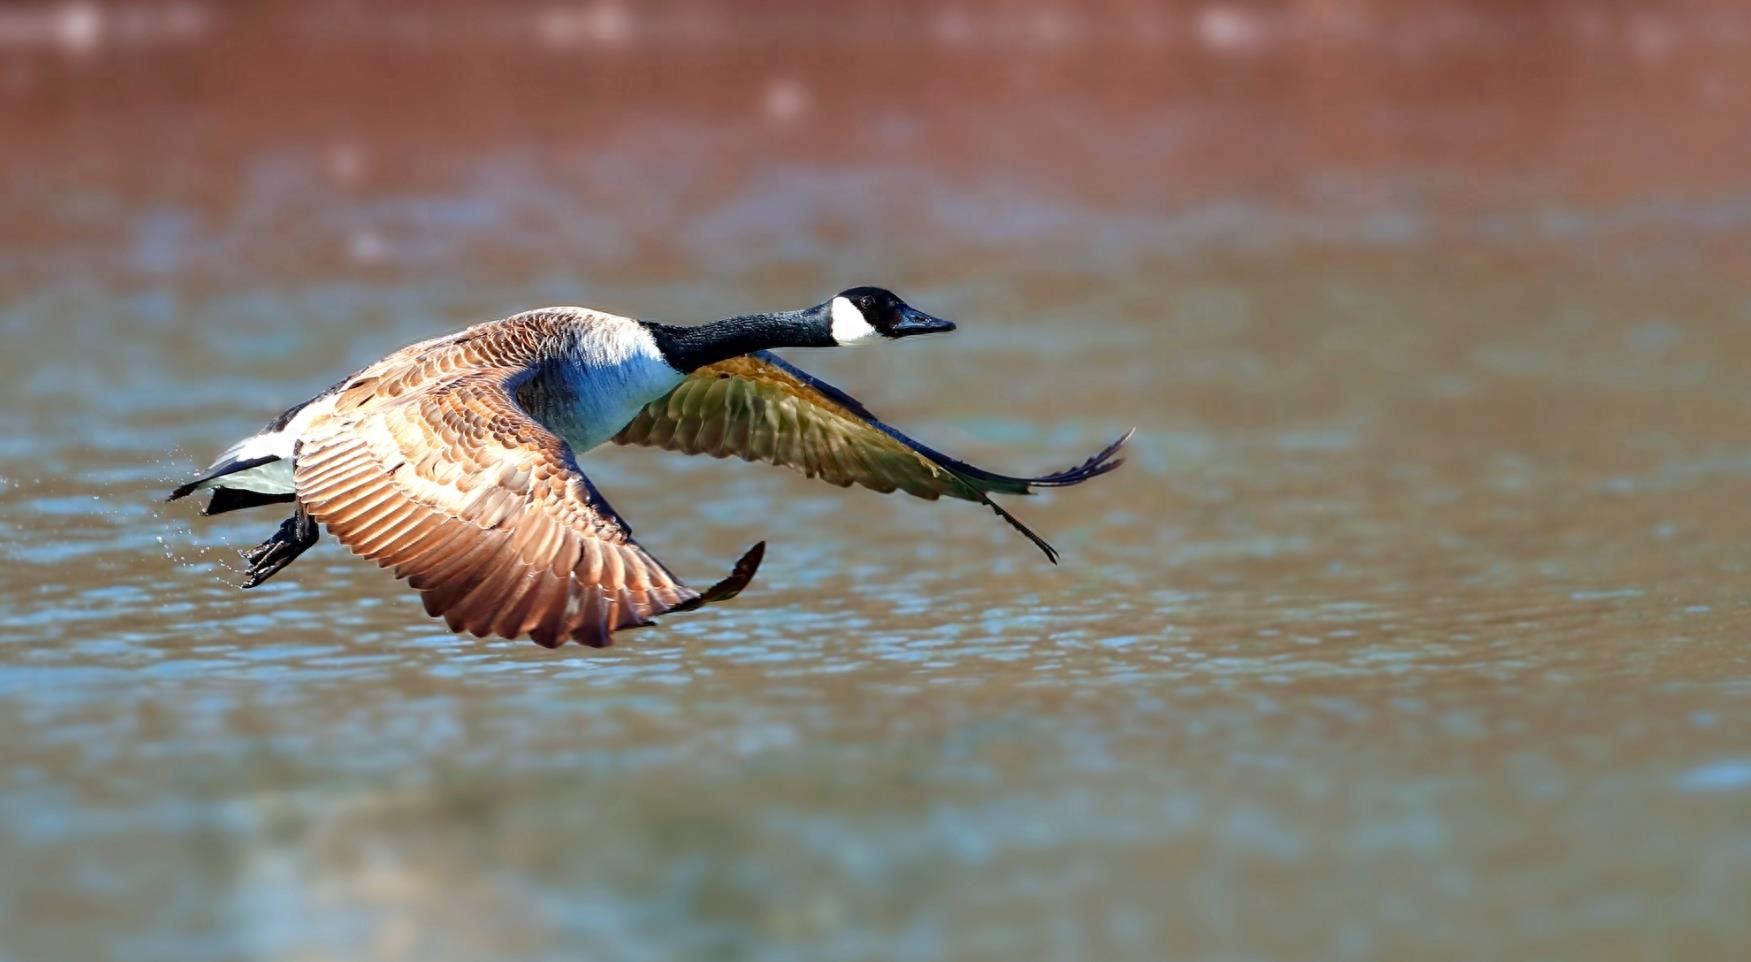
(1414, 628)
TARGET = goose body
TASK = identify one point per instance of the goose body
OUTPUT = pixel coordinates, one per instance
(454, 460)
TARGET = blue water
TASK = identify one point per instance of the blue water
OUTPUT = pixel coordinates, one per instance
(1411, 629)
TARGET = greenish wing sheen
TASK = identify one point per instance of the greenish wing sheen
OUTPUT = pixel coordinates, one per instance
(759, 408)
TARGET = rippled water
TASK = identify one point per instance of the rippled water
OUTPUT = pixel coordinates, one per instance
(1414, 627)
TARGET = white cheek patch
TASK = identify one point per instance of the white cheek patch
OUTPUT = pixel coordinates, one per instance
(848, 323)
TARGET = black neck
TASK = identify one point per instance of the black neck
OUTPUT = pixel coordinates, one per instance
(689, 348)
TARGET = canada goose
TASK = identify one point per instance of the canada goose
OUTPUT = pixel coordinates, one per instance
(453, 460)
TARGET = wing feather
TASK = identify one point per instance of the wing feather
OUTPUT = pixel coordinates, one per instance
(482, 510)
(759, 408)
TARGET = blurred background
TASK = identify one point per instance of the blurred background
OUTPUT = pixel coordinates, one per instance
(1414, 628)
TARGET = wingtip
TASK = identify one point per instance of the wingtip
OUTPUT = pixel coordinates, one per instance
(1106, 456)
(738, 578)
(1102, 462)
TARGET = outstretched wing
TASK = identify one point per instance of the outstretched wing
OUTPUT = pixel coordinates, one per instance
(759, 408)
(484, 511)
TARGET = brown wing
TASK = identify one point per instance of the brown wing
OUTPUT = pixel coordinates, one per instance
(485, 512)
(759, 408)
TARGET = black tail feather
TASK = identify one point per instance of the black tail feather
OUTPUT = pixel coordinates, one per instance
(234, 499)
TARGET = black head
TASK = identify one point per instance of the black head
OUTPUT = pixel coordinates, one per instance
(862, 311)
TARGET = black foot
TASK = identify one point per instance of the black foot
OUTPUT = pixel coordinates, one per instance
(296, 534)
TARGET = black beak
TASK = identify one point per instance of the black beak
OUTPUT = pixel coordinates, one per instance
(913, 321)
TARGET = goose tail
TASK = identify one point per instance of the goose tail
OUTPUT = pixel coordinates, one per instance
(255, 472)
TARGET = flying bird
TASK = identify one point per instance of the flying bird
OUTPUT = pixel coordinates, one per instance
(454, 460)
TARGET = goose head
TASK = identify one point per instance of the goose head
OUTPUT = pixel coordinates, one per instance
(860, 313)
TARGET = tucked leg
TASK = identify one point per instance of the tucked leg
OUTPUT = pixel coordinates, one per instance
(296, 534)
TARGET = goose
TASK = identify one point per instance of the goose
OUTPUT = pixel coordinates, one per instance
(454, 460)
